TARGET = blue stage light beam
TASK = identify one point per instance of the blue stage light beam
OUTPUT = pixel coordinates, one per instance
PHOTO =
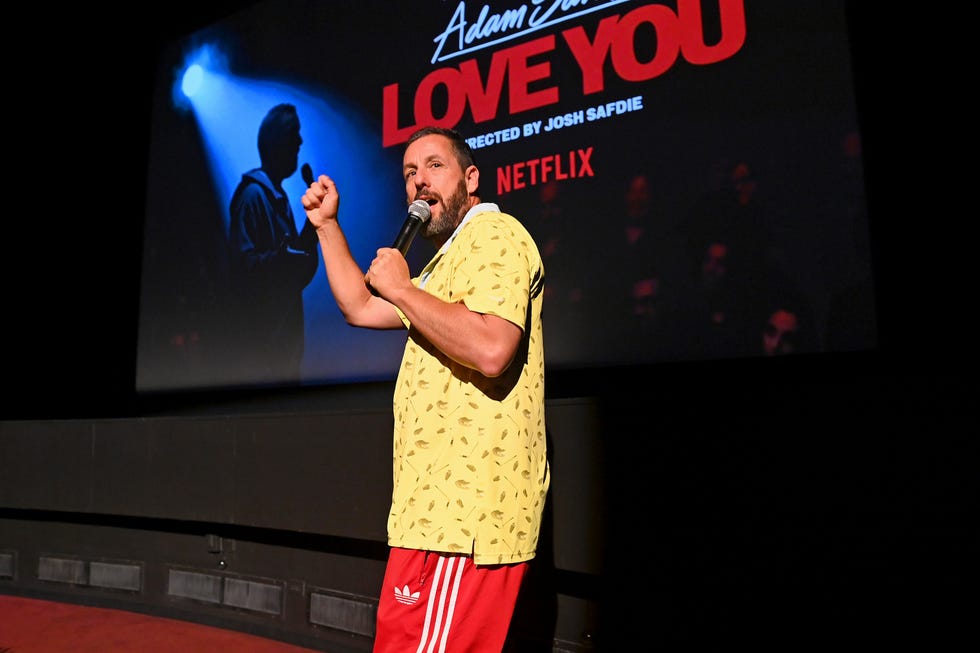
(337, 140)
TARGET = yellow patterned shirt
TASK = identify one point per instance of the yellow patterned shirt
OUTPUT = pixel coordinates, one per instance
(470, 461)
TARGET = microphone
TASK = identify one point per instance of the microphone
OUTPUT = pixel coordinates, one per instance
(418, 214)
(308, 233)
(307, 173)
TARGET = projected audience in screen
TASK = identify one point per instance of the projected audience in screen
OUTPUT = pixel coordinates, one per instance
(789, 322)
(548, 223)
(851, 322)
(780, 333)
(272, 261)
(552, 224)
(644, 264)
(635, 299)
(718, 316)
(728, 245)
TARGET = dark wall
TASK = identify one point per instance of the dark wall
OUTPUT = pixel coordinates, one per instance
(741, 511)
(293, 502)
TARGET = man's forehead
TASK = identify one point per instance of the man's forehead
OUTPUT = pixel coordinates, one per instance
(433, 146)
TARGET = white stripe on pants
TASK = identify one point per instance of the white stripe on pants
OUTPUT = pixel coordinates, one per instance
(442, 598)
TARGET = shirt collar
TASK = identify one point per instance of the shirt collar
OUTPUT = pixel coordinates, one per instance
(482, 207)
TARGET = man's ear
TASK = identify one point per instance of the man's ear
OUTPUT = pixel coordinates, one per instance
(472, 175)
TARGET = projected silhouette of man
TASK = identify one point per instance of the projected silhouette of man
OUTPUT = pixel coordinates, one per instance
(271, 260)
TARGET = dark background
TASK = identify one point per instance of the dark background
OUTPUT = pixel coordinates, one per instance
(866, 471)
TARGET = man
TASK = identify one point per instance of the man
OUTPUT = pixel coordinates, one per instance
(469, 459)
(273, 261)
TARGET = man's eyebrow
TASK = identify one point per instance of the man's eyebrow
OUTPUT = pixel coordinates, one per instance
(431, 157)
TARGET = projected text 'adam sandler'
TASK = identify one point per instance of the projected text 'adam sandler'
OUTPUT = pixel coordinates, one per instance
(614, 40)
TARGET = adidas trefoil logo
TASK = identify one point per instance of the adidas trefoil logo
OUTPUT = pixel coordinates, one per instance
(405, 595)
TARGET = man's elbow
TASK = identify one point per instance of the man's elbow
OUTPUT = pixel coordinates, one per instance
(494, 361)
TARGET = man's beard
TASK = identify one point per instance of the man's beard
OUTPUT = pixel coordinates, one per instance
(454, 208)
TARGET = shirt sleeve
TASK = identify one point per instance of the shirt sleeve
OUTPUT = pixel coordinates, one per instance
(496, 266)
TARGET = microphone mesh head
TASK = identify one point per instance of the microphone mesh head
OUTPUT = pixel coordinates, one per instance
(307, 172)
(420, 209)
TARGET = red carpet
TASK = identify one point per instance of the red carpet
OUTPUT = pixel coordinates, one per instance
(36, 626)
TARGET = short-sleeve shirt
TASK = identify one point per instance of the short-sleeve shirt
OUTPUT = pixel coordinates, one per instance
(470, 461)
